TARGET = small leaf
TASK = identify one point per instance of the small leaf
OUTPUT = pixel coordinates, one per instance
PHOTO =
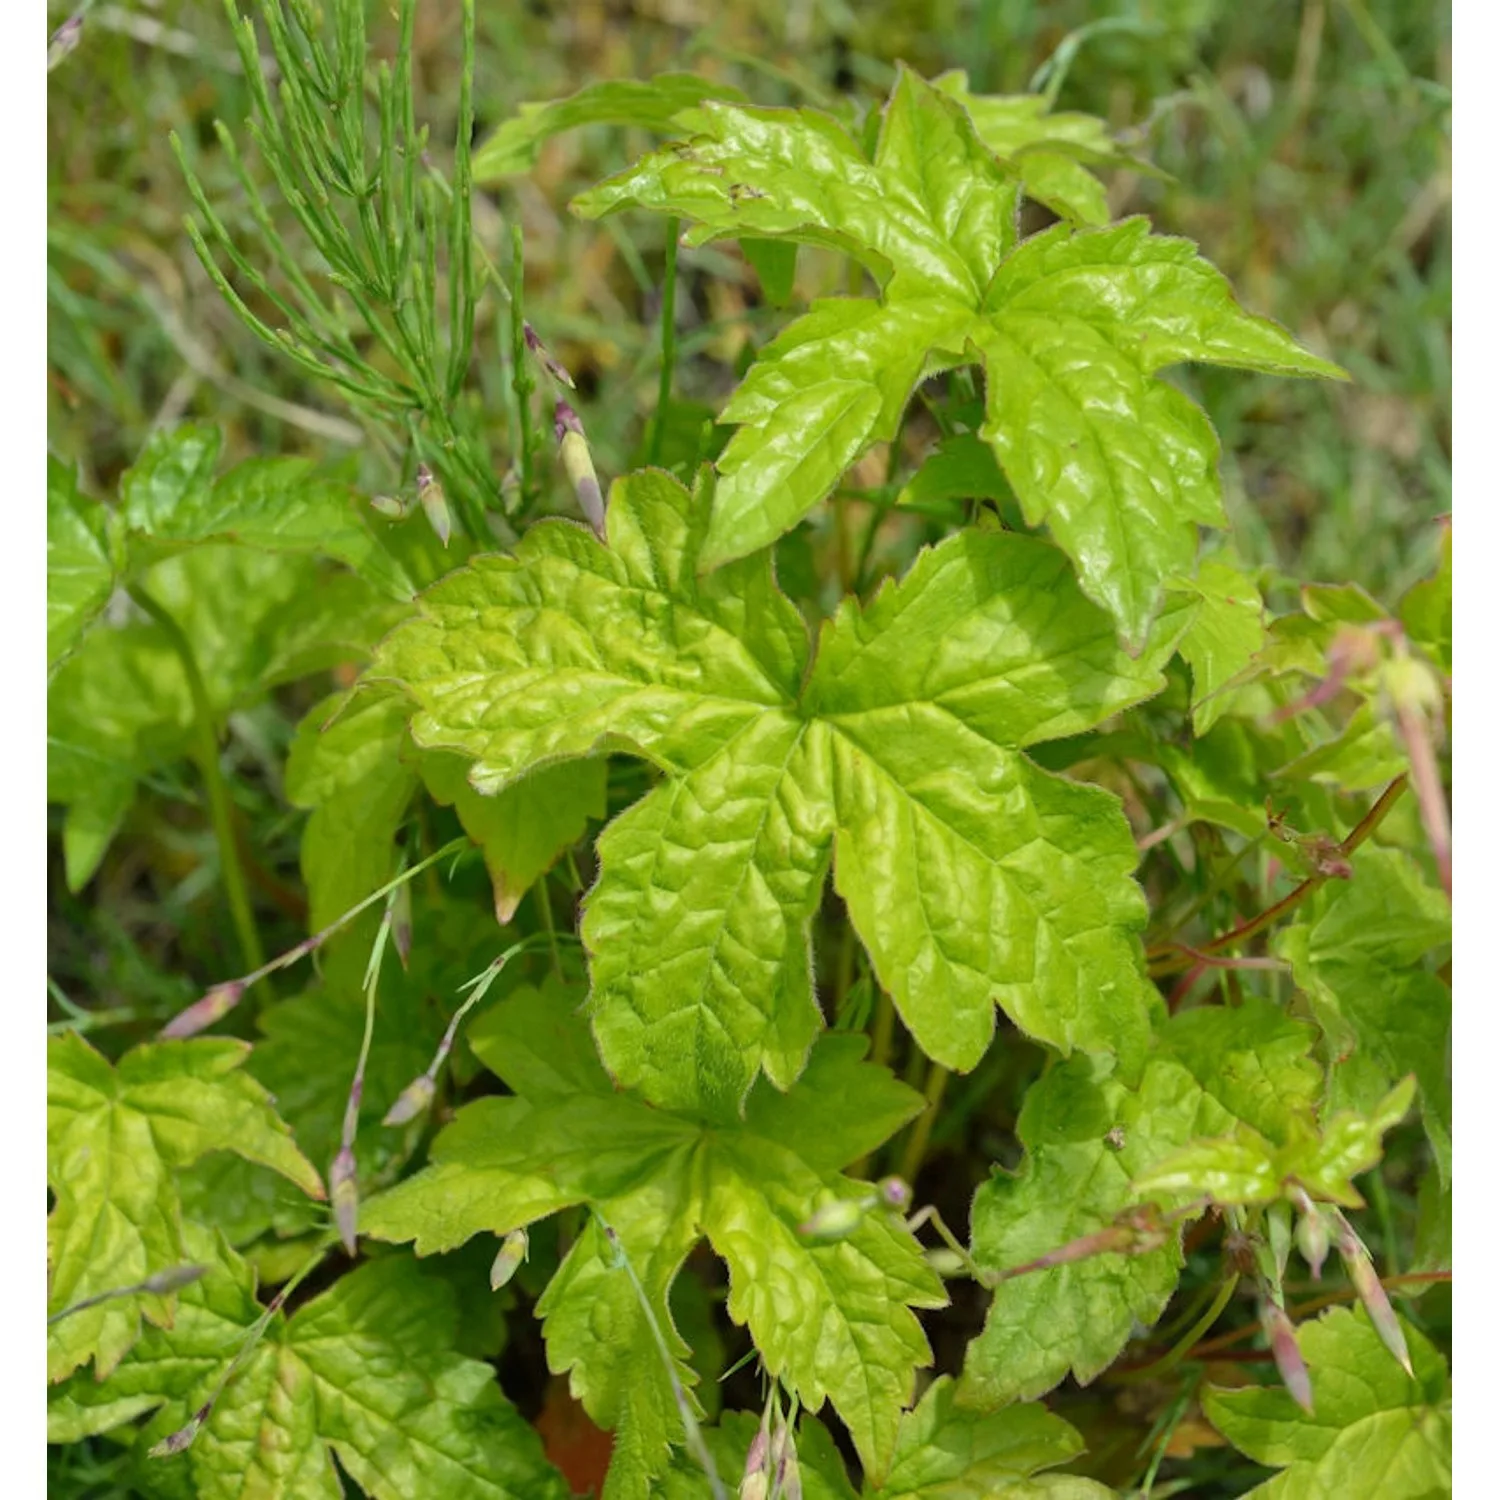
(366, 1371)
(80, 569)
(948, 1452)
(662, 104)
(831, 1321)
(115, 1137)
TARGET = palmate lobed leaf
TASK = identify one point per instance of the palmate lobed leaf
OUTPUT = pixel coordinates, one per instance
(971, 875)
(832, 1321)
(115, 1136)
(1190, 1132)
(366, 1371)
(1373, 1429)
(1071, 327)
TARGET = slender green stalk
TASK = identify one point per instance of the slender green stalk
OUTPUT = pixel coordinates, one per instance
(182, 1439)
(523, 381)
(1180, 1350)
(223, 998)
(668, 342)
(921, 1129)
(206, 752)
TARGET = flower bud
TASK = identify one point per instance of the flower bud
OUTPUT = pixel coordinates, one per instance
(201, 1014)
(182, 1439)
(401, 924)
(578, 462)
(512, 1252)
(755, 1481)
(1287, 1354)
(389, 506)
(894, 1193)
(343, 1192)
(64, 40)
(1312, 1235)
(434, 503)
(173, 1279)
(836, 1219)
(1367, 1284)
(540, 350)
(412, 1101)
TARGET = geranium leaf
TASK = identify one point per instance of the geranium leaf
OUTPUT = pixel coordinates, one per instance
(1359, 959)
(1373, 1429)
(524, 828)
(832, 1321)
(115, 1136)
(661, 104)
(1072, 328)
(1228, 628)
(698, 925)
(367, 1371)
(1077, 1178)
(80, 565)
(948, 1452)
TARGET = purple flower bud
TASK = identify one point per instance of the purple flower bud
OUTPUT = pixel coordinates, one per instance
(182, 1439)
(573, 450)
(173, 1278)
(1287, 1354)
(343, 1193)
(64, 40)
(512, 1252)
(434, 503)
(755, 1482)
(894, 1193)
(836, 1220)
(1312, 1234)
(201, 1014)
(412, 1101)
(539, 349)
(401, 924)
(1382, 1315)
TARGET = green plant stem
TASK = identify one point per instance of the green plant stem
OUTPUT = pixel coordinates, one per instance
(206, 734)
(921, 1129)
(522, 380)
(1179, 1351)
(668, 342)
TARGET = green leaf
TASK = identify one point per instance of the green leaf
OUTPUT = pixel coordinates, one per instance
(118, 709)
(524, 828)
(1244, 1167)
(1253, 1059)
(366, 1372)
(775, 263)
(1076, 1317)
(1052, 153)
(1427, 609)
(1373, 1430)
(1072, 327)
(971, 874)
(663, 104)
(345, 766)
(1359, 958)
(820, 1466)
(947, 1452)
(275, 505)
(115, 1136)
(1228, 629)
(832, 1321)
(961, 467)
(80, 567)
